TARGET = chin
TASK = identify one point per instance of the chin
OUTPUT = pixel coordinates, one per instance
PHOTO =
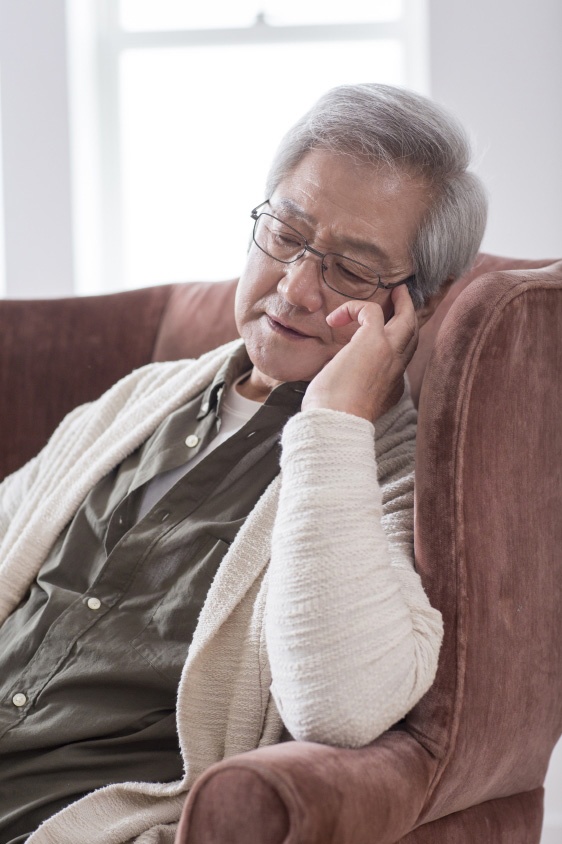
(283, 367)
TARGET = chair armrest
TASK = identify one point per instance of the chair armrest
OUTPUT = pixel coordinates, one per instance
(300, 792)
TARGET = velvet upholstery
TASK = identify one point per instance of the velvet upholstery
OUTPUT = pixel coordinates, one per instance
(56, 354)
(484, 264)
(468, 763)
(488, 537)
(198, 317)
(368, 796)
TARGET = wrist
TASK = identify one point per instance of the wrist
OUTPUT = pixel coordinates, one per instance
(342, 405)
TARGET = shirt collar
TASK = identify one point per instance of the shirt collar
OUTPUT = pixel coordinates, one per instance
(289, 393)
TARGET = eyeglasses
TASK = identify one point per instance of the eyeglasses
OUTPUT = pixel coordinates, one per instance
(343, 275)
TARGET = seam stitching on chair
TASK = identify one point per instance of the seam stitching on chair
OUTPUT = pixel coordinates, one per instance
(463, 404)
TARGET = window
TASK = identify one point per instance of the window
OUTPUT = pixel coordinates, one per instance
(190, 103)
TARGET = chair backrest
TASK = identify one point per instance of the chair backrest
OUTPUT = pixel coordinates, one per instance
(488, 533)
(428, 334)
(56, 354)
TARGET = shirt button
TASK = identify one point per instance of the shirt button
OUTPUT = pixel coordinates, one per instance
(163, 515)
(19, 699)
(94, 603)
(192, 440)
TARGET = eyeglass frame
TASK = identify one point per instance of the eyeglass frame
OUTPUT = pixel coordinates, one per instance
(307, 248)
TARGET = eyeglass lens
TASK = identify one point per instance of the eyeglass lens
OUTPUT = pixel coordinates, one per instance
(342, 274)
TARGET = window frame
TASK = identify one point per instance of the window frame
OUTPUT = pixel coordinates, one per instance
(96, 44)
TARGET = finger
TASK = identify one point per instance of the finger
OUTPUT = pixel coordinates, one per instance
(402, 329)
(402, 300)
(365, 313)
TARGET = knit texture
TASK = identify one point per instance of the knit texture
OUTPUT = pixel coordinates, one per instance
(315, 612)
(349, 624)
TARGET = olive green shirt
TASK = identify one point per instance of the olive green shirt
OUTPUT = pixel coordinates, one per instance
(99, 642)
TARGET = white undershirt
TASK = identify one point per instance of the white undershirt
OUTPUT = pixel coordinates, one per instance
(235, 411)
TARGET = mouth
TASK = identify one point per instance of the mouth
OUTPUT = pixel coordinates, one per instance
(285, 330)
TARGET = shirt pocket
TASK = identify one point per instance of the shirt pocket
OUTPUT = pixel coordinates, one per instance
(164, 642)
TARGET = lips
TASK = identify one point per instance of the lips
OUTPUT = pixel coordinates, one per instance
(286, 325)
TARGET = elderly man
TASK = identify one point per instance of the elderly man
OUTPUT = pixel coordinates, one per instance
(177, 584)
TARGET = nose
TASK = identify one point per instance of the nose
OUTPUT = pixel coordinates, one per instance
(302, 285)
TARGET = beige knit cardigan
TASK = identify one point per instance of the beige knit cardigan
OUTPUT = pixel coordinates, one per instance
(316, 613)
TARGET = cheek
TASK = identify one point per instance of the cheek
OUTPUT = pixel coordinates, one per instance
(239, 307)
(240, 300)
(252, 286)
(259, 277)
(341, 337)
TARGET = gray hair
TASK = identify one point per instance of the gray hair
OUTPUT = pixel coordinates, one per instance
(389, 126)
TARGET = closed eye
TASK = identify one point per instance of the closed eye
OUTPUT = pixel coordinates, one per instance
(352, 275)
(287, 240)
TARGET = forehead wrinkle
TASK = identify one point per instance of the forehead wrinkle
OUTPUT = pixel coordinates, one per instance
(291, 207)
(364, 246)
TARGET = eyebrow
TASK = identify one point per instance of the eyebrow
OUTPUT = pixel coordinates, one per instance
(290, 207)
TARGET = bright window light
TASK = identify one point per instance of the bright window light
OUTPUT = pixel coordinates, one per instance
(199, 127)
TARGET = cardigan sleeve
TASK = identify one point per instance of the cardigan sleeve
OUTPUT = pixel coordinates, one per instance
(352, 639)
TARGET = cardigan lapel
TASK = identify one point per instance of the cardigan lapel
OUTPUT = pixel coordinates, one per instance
(92, 445)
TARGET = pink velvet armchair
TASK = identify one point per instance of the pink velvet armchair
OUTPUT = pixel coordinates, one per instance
(468, 763)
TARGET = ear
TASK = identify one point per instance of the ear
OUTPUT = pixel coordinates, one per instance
(430, 306)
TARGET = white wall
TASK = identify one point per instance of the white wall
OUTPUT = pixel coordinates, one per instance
(35, 148)
(498, 65)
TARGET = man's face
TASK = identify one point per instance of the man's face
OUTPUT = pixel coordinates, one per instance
(368, 214)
